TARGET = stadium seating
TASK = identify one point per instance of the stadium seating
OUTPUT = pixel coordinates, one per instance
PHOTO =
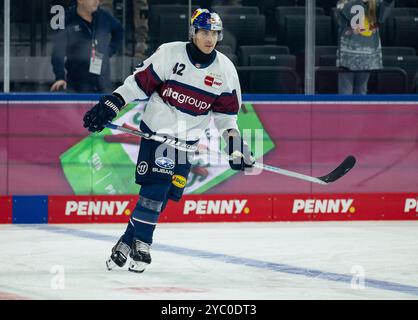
(399, 63)
(120, 68)
(259, 33)
(326, 79)
(283, 12)
(16, 49)
(1, 72)
(247, 29)
(334, 25)
(405, 32)
(229, 40)
(154, 23)
(407, 63)
(406, 3)
(398, 51)
(244, 52)
(223, 10)
(388, 35)
(269, 79)
(233, 57)
(389, 80)
(157, 2)
(31, 73)
(268, 7)
(327, 5)
(273, 60)
(329, 60)
(324, 50)
(172, 27)
(326, 56)
(294, 32)
(225, 49)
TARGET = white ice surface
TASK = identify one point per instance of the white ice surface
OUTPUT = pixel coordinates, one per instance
(298, 260)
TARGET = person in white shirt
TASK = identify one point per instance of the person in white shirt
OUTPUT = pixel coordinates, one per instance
(187, 83)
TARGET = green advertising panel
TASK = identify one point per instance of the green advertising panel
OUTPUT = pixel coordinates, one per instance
(104, 163)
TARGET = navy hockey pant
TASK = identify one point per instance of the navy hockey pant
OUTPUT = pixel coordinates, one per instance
(162, 172)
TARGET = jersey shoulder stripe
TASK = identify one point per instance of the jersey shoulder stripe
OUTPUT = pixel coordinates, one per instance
(227, 103)
(148, 80)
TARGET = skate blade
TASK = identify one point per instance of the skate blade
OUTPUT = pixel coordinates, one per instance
(137, 267)
(110, 264)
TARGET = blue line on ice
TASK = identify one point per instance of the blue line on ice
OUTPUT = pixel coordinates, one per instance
(310, 273)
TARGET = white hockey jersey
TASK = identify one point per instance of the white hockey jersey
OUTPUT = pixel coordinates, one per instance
(184, 96)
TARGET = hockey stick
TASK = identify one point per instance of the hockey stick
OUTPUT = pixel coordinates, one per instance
(174, 142)
(334, 175)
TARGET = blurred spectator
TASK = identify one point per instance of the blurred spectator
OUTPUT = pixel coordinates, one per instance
(91, 36)
(140, 16)
(359, 46)
(139, 21)
(107, 4)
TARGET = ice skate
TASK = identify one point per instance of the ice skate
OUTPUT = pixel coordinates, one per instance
(119, 255)
(140, 256)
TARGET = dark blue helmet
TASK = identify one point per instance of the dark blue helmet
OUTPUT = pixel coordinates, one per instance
(205, 19)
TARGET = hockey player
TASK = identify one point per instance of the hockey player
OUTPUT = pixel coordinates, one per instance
(187, 83)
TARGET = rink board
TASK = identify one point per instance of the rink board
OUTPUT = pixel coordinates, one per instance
(5, 209)
(192, 208)
(243, 208)
(216, 208)
(345, 207)
(308, 134)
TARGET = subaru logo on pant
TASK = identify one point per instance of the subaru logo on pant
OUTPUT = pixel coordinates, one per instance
(165, 163)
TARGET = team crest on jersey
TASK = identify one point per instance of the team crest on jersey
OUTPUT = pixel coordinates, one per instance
(213, 82)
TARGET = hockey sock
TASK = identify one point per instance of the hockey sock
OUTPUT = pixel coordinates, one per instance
(145, 229)
(153, 199)
(128, 236)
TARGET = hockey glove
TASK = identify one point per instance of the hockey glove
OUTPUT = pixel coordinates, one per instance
(103, 112)
(240, 155)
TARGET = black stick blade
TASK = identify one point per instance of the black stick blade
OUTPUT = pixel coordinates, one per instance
(340, 171)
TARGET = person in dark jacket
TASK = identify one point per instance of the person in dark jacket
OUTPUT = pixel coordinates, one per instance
(90, 37)
(359, 46)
